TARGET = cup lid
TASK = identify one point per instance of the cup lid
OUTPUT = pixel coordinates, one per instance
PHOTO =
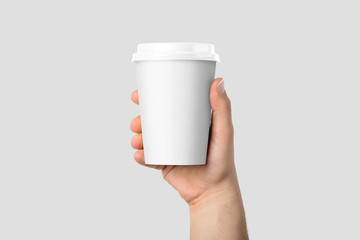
(175, 51)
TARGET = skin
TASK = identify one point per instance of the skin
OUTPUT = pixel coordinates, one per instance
(212, 190)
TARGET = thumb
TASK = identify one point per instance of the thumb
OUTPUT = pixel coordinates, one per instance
(221, 123)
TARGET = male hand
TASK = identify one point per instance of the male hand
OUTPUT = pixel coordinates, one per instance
(212, 187)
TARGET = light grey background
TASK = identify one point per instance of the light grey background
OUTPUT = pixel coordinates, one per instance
(67, 171)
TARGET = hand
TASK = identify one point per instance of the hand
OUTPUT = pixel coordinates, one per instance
(193, 181)
(203, 185)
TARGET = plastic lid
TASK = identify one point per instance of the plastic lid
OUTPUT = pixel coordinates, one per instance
(175, 51)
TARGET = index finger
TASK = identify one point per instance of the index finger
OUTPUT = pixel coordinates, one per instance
(135, 96)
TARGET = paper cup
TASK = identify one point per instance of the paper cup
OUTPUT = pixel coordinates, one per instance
(173, 82)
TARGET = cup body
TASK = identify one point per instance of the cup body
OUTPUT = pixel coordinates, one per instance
(175, 110)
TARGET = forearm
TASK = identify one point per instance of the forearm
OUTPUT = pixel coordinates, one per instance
(219, 215)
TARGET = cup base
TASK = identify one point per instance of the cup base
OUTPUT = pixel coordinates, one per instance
(176, 164)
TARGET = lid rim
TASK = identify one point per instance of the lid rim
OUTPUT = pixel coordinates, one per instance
(175, 51)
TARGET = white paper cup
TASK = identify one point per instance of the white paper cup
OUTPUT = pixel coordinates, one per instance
(173, 82)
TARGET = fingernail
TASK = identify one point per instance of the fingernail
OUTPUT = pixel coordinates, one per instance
(220, 87)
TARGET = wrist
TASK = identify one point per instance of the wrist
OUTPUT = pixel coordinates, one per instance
(223, 191)
(218, 213)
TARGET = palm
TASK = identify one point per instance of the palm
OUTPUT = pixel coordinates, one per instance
(192, 181)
